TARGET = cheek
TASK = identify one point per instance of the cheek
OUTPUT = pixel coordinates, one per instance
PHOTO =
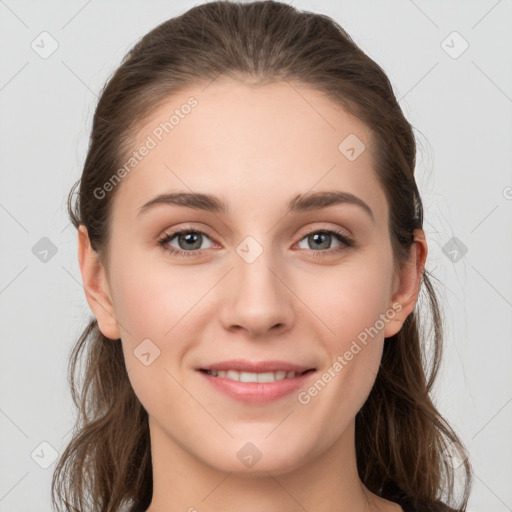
(353, 305)
(153, 308)
(152, 301)
(350, 298)
(160, 312)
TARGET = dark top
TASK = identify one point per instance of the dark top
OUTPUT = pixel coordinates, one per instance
(438, 507)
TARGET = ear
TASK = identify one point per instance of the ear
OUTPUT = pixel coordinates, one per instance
(96, 286)
(406, 284)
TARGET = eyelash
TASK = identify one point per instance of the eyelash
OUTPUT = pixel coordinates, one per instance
(345, 242)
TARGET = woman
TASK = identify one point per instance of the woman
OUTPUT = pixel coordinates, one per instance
(251, 247)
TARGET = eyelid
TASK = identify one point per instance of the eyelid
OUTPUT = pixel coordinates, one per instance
(309, 230)
(346, 241)
(169, 235)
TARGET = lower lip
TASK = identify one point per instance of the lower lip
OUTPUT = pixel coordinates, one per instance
(257, 392)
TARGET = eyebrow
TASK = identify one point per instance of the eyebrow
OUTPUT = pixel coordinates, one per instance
(301, 203)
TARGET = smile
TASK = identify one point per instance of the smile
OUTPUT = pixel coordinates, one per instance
(254, 377)
(256, 387)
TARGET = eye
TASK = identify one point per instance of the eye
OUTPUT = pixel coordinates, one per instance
(322, 239)
(189, 242)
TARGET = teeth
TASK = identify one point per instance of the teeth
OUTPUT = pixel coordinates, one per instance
(252, 377)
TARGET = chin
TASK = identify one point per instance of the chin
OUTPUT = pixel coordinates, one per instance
(256, 458)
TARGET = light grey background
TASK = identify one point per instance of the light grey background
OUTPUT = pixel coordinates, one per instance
(461, 108)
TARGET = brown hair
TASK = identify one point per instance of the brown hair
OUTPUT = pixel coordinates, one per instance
(400, 436)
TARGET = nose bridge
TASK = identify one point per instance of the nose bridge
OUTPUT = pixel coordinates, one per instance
(257, 300)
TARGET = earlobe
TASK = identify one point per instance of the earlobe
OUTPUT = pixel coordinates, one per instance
(407, 283)
(96, 286)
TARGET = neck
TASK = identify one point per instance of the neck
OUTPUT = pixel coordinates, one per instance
(325, 482)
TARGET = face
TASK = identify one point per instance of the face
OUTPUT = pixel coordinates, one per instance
(259, 287)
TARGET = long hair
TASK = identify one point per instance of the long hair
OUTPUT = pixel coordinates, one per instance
(401, 438)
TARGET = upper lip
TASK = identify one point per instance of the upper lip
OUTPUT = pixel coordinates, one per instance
(244, 365)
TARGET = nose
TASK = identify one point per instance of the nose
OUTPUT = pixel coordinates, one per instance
(256, 298)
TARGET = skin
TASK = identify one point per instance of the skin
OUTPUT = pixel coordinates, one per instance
(255, 147)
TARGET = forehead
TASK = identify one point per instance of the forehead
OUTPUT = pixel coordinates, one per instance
(235, 139)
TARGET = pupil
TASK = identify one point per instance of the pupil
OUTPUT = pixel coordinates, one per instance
(189, 239)
(316, 235)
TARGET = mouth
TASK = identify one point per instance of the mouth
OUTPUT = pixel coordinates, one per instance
(256, 382)
(242, 376)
